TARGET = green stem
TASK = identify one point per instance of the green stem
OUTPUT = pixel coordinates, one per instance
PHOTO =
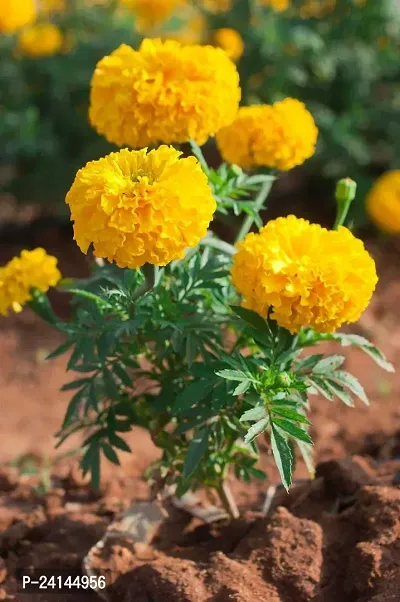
(227, 499)
(150, 274)
(258, 205)
(342, 214)
(216, 243)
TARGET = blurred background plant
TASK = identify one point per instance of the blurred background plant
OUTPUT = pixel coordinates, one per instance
(340, 57)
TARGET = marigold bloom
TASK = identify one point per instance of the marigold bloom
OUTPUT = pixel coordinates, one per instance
(140, 207)
(280, 136)
(150, 13)
(277, 5)
(43, 39)
(231, 41)
(383, 202)
(308, 275)
(32, 269)
(15, 14)
(164, 92)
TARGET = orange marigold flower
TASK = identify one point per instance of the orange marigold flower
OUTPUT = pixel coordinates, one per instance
(231, 41)
(307, 275)
(383, 202)
(43, 39)
(15, 14)
(280, 136)
(163, 92)
(139, 207)
(31, 270)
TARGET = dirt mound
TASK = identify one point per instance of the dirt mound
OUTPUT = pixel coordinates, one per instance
(334, 538)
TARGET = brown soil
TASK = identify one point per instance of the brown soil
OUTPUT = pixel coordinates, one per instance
(335, 539)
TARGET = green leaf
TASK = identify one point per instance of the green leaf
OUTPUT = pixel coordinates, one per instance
(351, 382)
(308, 363)
(257, 428)
(328, 364)
(191, 349)
(368, 348)
(118, 442)
(110, 385)
(290, 415)
(321, 386)
(254, 414)
(340, 392)
(293, 430)
(232, 375)
(60, 350)
(110, 453)
(196, 391)
(282, 453)
(307, 454)
(242, 387)
(252, 318)
(122, 374)
(91, 462)
(196, 450)
(72, 413)
(75, 384)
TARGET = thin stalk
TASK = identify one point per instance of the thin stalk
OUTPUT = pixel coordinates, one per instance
(216, 243)
(150, 275)
(258, 204)
(228, 501)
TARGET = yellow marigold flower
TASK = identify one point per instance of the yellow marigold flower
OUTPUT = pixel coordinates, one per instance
(32, 269)
(140, 207)
(231, 41)
(216, 6)
(307, 275)
(43, 39)
(317, 8)
(280, 136)
(150, 13)
(15, 14)
(48, 7)
(383, 202)
(164, 92)
(277, 5)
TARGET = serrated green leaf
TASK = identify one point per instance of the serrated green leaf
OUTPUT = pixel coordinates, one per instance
(293, 430)
(118, 442)
(60, 350)
(242, 387)
(308, 363)
(282, 453)
(122, 374)
(340, 392)
(196, 391)
(345, 379)
(255, 430)
(191, 349)
(307, 454)
(232, 375)
(290, 414)
(252, 318)
(254, 414)
(366, 346)
(110, 453)
(321, 386)
(75, 384)
(328, 364)
(72, 413)
(110, 385)
(196, 450)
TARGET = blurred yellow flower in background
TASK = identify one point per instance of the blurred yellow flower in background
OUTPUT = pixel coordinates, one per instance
(150, 13)
(383, 202)
(229, 40)
(139, 207)
(15, 14)
(215, 6)
(163, 92)
(48, 7)
(43, 39)
(307, 275)
(32, 269)
(278, 5)
(281, 136)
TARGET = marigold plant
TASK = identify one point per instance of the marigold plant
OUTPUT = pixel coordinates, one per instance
(383, 202)
(163, 92)
(280, 136)
(31, 270)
